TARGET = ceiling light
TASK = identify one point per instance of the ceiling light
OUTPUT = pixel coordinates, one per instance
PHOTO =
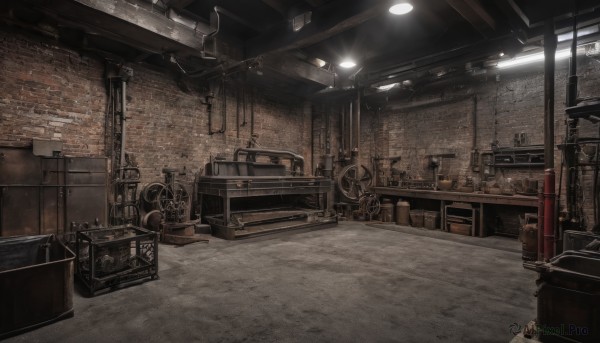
(401, 8)
(387, 87)
(537, 57)
(348, 64)
(501, 54)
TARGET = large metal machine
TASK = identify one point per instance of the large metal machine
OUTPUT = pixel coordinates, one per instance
(265, 192)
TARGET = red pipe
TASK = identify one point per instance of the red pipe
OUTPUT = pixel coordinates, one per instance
(540, 225)
(549, 200)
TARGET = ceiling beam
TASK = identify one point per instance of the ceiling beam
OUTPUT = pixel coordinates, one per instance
(475, 14)
(327, 21)
(516, 17)
(296, 68)
(179, 4)
(277, 6)
(133, 21)
(316, 3)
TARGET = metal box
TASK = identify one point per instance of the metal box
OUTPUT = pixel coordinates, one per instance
(116, 256)
(568, 297)
(36, 283)
(577, 240)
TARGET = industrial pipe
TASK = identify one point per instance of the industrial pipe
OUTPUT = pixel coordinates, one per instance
(549, 174)
(123, 131)
(570, 147)
(540, 225)
(356, 118)
(297, 160)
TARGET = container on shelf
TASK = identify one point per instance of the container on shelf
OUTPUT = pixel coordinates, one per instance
(416, 218)
(402, 213)
(431, 219)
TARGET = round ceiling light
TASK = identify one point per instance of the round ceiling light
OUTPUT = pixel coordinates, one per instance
(401, 8)
(348, 64)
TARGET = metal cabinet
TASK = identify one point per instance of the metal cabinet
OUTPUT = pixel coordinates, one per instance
(40, 195)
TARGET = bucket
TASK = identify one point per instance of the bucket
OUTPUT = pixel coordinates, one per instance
(402, 213)
(416, 218)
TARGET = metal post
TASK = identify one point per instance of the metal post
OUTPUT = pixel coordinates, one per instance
(570, 148)
(549, 175)
(123, 119)
(540, 225)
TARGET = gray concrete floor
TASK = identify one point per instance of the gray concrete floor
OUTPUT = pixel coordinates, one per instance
(351, 283)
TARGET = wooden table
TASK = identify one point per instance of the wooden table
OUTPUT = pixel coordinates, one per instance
(481, 199)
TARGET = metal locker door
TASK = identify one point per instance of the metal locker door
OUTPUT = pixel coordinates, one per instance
(19, 211)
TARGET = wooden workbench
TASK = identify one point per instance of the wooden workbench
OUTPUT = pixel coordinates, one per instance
(483, 200)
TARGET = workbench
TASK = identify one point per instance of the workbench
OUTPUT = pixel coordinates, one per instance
(482, 200)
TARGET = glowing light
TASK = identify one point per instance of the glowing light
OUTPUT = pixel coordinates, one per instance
(348, 64)
(401, 8)
(532, 58)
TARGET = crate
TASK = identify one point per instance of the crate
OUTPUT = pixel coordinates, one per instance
(116, 256)
(431, 219)
(461, 229)
(36, 283)
(416, 218)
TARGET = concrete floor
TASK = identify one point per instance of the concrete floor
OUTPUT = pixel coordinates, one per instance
(351, 283)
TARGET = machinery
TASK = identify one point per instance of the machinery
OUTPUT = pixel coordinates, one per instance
(266, 192)
(168, 206)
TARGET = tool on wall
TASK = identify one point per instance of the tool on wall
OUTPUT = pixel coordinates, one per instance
(125, 174)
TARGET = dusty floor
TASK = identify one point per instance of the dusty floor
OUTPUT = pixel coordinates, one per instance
(351, 283)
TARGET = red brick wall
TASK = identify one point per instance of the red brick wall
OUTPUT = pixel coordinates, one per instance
(50, 92)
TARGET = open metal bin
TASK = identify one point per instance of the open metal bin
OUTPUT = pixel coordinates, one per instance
(116, 256)
(36, 283)
(568, 297)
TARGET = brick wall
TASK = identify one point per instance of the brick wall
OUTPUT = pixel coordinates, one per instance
(50, 92)
(512, 104)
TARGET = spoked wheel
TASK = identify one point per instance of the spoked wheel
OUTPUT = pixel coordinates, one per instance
(352, 181)
(369, 205)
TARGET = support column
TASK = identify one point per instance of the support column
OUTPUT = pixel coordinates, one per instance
(549, 175)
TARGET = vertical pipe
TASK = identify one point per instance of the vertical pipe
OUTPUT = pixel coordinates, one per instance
(237, 113)
(123, 131)
(350, 129)
(252, 113)
(549, 175)
(570, 148)
(540, 225)
(343, 130)
(357, 122)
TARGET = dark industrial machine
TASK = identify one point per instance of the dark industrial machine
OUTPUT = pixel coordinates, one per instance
(124, 208)
(44, 194)
(114, 257)
(36, 283)
(266, 192)
(568, 296)
(168, 210)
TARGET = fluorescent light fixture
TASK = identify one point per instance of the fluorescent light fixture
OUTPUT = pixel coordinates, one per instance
(401, 8)
(580, 33)
(532, 58)
(388, 86)
(348, 64)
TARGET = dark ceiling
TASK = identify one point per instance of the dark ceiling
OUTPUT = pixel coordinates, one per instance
(436, 38)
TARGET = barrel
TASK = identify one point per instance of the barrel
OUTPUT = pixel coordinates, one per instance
(386, 212)
(402, 213)
(528, 237)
